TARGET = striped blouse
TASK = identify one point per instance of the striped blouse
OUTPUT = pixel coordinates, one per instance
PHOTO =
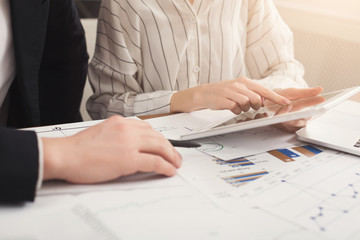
(148, 49)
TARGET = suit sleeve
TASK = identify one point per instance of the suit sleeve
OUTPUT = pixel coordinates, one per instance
(19, 165)
(64, 64)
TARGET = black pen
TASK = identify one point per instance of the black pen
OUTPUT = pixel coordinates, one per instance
(185, 144)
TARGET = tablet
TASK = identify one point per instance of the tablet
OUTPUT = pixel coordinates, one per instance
(303, 108)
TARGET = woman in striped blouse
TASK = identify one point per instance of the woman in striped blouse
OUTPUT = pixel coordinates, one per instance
(160, 56)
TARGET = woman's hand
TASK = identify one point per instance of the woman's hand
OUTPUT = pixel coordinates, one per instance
(310, 98)
(237, 95)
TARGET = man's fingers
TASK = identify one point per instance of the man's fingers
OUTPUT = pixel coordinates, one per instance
(154, 163)
(154, 143)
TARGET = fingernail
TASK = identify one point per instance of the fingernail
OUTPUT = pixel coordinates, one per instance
(263, 100)
(179, 159)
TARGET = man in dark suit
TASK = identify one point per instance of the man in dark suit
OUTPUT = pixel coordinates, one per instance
(51, 64)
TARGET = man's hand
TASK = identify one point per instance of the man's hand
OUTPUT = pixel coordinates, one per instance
(114, 148)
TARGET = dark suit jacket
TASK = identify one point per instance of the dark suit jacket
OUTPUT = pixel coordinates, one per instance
(51, 64)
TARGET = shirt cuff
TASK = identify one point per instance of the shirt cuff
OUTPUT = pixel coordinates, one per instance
(41, 163)
(153, 103)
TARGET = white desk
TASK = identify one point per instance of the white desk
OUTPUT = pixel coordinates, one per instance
(201, 202)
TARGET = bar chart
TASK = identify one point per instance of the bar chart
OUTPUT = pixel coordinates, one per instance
(288, 154)
(239, 180)
(238, 162)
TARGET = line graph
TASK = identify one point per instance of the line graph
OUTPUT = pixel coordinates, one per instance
(141, 204)
(330, 204)
(326, 196)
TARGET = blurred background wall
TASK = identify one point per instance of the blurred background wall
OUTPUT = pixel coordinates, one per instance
(88, 11)
(327, 39)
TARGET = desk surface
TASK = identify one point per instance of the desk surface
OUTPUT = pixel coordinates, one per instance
(144, 117)
(301, 192)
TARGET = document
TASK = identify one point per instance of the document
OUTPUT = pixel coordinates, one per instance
(140, 180)
(220, 180)
(303, 190)
(174, 126)
(63, 130)
(154, 213)
(323, 196)
(244, 143)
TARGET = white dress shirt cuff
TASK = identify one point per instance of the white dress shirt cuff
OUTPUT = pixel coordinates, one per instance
(41, 163)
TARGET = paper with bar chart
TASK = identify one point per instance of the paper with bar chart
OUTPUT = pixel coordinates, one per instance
(309, 186)
(323, 196)
(220, 179)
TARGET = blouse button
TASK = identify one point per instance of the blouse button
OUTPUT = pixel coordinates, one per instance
(196, 69)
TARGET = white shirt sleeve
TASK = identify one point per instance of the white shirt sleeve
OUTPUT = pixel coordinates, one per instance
(41, 163)
(270, 49)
